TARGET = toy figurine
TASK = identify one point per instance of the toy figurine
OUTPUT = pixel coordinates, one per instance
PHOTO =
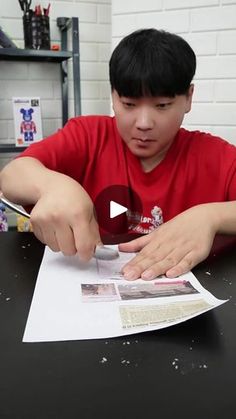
(23, 224)
(3, 219)
(28, 127)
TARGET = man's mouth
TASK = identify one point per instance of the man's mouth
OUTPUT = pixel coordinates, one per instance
(143, 140)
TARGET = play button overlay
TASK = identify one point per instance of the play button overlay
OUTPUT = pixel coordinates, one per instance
(118, 209)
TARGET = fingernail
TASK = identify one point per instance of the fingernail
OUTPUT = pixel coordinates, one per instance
(130, 274)
(148, 275)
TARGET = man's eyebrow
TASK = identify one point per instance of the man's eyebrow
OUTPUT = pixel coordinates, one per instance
(163, 97)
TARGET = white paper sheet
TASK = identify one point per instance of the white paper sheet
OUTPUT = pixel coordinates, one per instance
(75, 301)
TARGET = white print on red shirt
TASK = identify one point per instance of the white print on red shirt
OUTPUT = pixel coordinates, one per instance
(145, 224)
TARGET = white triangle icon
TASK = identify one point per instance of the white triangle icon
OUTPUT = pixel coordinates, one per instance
(116, 209)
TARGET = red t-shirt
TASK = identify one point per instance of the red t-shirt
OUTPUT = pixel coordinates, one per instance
(198, 167)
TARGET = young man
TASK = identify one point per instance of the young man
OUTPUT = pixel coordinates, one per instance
(185, 180)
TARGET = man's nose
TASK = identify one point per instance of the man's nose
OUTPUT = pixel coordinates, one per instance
(144, 120)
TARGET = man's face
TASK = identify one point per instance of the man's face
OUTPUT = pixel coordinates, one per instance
(148, 125)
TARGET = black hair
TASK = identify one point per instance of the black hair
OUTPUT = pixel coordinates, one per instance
(151, 62)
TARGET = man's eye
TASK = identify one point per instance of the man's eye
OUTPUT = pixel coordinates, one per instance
(163, 105)
(128, 104)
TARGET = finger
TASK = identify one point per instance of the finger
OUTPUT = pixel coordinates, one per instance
(185, 265)
(157, 269)
(44, 231)
(173, 266)
(154, 263)
(134, 245)
(147, 258)
(65, 239)
(50, 239)
(46, 236)
(95, 232)
(37, 232)
(134, 268)
(131, 270)
(86, 237)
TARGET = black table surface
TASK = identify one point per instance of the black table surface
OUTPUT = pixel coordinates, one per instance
(184, 371)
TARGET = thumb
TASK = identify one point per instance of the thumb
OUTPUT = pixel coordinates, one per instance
(134, 245)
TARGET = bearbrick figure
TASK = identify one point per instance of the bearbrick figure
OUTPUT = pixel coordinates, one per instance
(3, 218)
(27, 127)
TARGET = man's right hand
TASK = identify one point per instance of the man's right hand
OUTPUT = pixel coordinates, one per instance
(63, 218)
(63, 213)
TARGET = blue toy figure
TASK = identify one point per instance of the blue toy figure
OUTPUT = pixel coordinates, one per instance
(3, 218)
(27, 127)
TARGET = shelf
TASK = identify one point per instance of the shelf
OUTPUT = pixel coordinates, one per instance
(18, 54)
(60, 57)
(11, 148)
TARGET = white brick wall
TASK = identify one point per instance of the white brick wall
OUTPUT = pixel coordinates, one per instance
(43, 79)
(210, 28)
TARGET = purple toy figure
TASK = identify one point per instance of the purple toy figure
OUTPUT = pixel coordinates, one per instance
(27, 127)
(3, 219)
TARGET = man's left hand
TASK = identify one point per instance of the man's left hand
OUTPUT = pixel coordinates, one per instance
(175, 247)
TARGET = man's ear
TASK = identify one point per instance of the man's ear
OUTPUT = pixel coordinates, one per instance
(189, 97)
(112, 99)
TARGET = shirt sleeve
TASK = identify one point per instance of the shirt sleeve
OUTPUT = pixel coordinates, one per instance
(231, 187)
(65, 151)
